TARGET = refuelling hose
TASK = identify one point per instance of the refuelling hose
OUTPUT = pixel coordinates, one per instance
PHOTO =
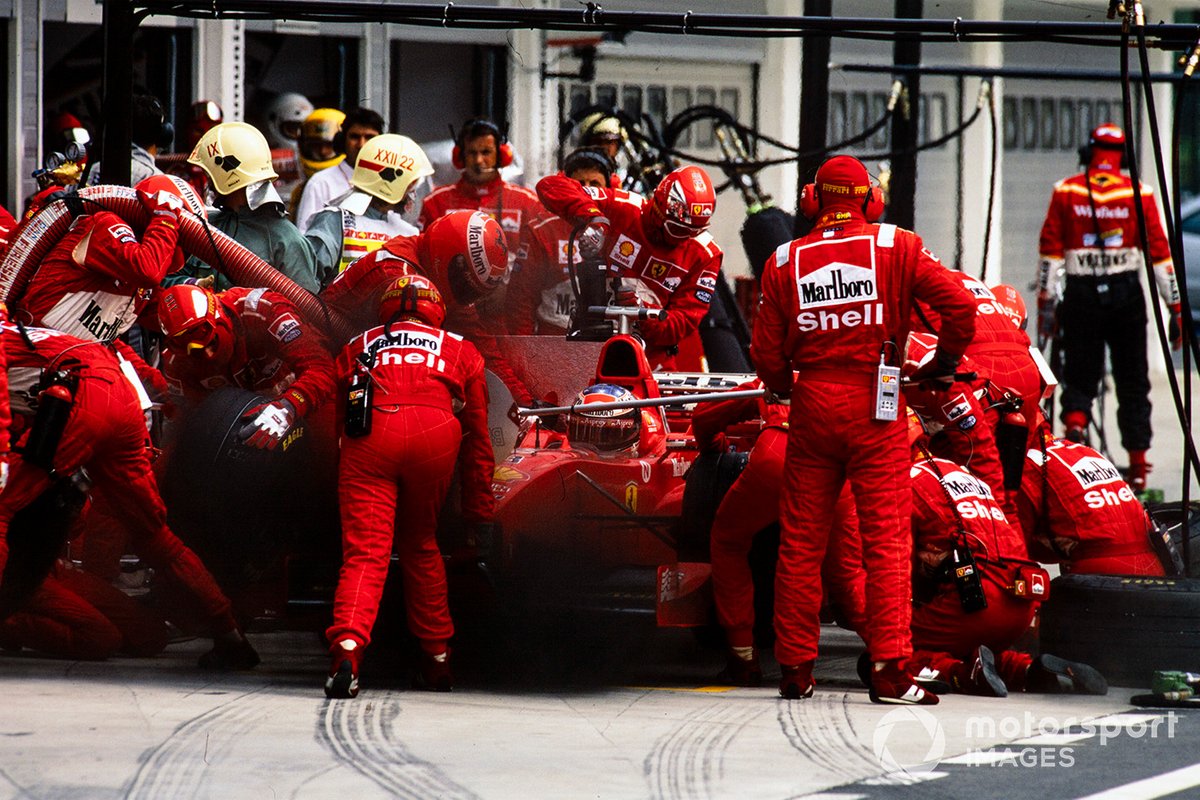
(36, 237)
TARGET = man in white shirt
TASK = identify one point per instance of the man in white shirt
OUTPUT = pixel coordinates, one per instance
(359, 127)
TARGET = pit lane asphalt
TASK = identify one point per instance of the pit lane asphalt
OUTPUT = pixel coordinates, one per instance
(648, 724)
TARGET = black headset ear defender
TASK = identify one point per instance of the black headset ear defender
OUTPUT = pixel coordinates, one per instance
(504, 151)
(597, 159)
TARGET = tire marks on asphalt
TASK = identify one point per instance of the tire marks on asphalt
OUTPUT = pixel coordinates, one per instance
(364, 735)
(688, 761)
(178, 766)
(820, 729)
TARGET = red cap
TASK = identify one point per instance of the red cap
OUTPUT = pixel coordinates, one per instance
(843, 180)
(1108, 137)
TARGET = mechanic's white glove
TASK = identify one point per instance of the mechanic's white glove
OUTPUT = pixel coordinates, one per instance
(270, 424)
(3, 471)
(592, 238)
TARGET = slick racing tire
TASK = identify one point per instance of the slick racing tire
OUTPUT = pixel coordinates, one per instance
(1127, 627)
(707, 482)
(241, 508)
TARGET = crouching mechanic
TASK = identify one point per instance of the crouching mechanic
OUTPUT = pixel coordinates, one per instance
(976, 591)
(751, 504)
(416, 404)
(250, 338)
(659, 248)
(834, 305)
(100, 428)
(1077, 512)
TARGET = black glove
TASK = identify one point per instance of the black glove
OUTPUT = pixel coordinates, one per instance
(937, 372)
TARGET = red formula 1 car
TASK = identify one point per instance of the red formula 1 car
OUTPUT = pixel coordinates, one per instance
(592, 518)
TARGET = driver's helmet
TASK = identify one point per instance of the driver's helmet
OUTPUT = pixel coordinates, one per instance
(606, 430)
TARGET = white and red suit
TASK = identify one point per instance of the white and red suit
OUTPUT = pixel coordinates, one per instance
(429, 411)
(1076, 511)
(540, 298)
(830, 301)
(682, 277)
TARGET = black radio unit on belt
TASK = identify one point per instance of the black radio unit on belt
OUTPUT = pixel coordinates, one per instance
(358, 405)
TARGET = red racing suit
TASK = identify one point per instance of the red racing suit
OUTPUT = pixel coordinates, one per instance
(429, 410)
(106, 433)
(512, 206)
(752, 503)
(680, 278)
(1000, 349)
(356, 293)
(276, 354)
(830, 301)
(540, 299)
(1076, 511)
(945, 497)
(96, 280)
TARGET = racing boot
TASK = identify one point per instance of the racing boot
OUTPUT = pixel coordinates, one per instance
(796, 681)
(1053, 675)
(231, 651)
(927, 678)
(891, 682)
(1138, 470)
(742, 668)
(979, 676)
(1076, 423)
(342, 681)
(434, 674)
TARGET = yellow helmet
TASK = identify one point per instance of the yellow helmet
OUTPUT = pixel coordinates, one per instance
(318, 138)
(235, 155)
(388, 165)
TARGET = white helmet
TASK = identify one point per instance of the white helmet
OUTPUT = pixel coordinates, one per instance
(285, 116)
(235, 155)
(388, 165)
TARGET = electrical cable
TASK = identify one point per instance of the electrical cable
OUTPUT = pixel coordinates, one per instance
(991, 201)
(1140, 214)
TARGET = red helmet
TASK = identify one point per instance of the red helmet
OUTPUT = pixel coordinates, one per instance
(1010, 302)
(468, 248)
(194, 324)
(172, 184)
(684, 203)
(412, 297)
(1107, 137)
(605, 430)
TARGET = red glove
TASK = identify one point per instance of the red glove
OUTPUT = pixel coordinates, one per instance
(161, 204)
(268, 424)
(1175, 327)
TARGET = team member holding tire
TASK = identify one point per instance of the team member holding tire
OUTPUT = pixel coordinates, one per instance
(1077, 512)
(1091, 232)
(834, 305)
(416, 405)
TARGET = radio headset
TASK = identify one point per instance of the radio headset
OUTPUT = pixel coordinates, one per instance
(968, 581)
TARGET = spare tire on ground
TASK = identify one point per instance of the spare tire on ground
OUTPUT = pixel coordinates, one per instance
(1125, 626)
(244, 509)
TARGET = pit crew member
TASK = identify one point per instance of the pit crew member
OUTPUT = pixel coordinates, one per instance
(831, 303)
(358, 127)
(1091, 233)
(660, 248)
(424, 410)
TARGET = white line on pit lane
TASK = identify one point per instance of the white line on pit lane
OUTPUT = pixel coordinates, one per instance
(1150, 788)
